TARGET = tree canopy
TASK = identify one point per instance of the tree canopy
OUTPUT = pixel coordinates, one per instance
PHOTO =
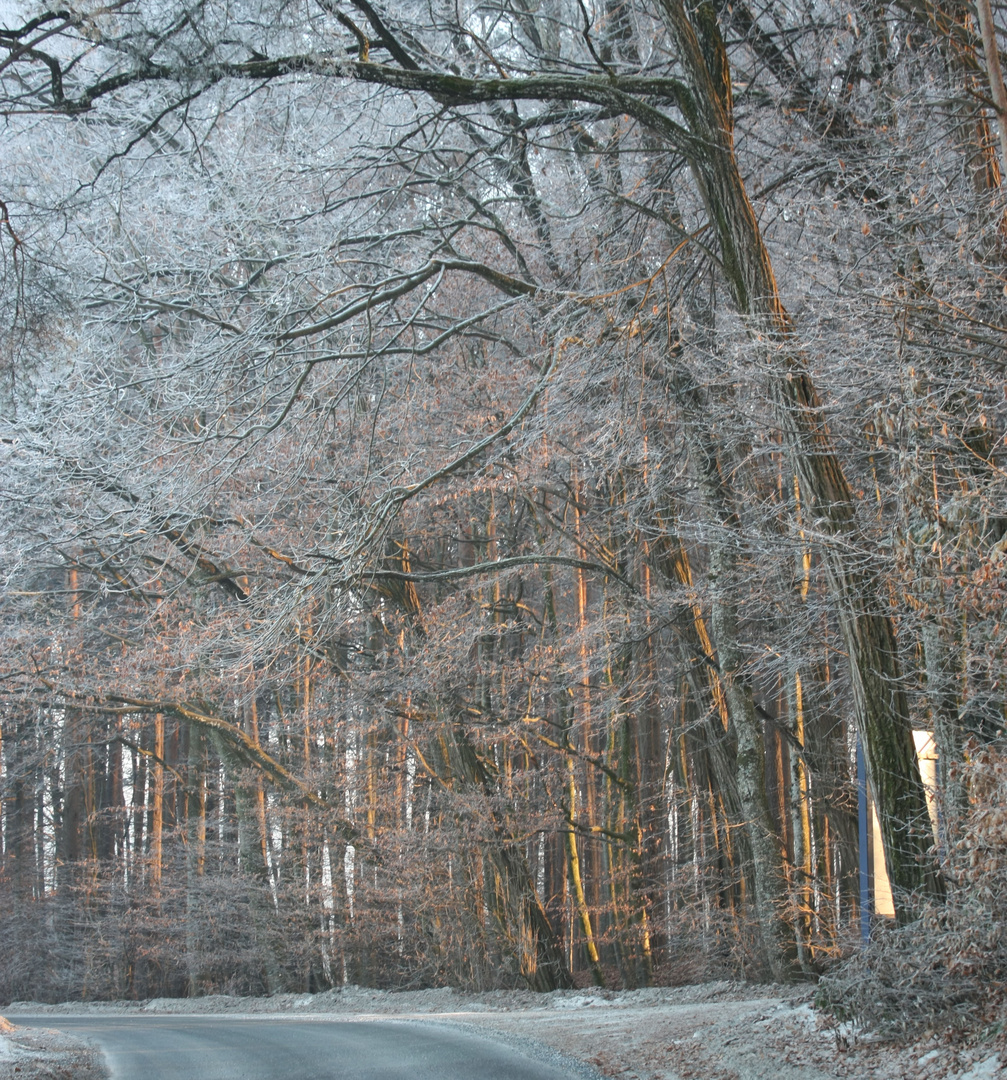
(474, 474)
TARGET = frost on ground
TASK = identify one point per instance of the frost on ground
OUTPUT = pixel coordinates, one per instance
(714, 1031)
(38, 1054)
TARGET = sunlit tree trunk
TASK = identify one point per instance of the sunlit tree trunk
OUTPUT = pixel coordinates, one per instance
(800, 811)
(994, 73)
(157, 804)
(582, 711)
(576, 881)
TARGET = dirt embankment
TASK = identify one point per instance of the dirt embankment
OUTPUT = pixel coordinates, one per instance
(716, 1031)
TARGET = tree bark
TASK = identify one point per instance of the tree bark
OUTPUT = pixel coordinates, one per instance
(994, 72)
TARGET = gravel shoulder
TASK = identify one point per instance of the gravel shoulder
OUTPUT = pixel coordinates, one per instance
(717, 1031)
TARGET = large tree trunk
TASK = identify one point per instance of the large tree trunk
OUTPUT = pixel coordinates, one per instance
(881, 705)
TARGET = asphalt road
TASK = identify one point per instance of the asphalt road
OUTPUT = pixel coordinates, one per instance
(278, 1048)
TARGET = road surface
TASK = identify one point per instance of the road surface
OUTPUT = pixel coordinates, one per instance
(281, 1048)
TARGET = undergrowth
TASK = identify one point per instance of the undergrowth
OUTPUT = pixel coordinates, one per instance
(946, 971)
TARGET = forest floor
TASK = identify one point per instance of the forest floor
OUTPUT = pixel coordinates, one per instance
(713, 1031)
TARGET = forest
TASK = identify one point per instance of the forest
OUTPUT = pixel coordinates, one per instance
(477, 477)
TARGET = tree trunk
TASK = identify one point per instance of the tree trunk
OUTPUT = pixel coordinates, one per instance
(195, 855)
(994, 72)
(157, 803)
(576, 881)
(800, 809)
(880, 701)
(250, 804)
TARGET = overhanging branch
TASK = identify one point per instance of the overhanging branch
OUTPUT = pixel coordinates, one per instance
(618, 94)
(497, 566)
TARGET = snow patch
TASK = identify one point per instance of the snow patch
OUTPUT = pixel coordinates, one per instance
(6, 1051)
(985, 1070)
(805, 1014)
